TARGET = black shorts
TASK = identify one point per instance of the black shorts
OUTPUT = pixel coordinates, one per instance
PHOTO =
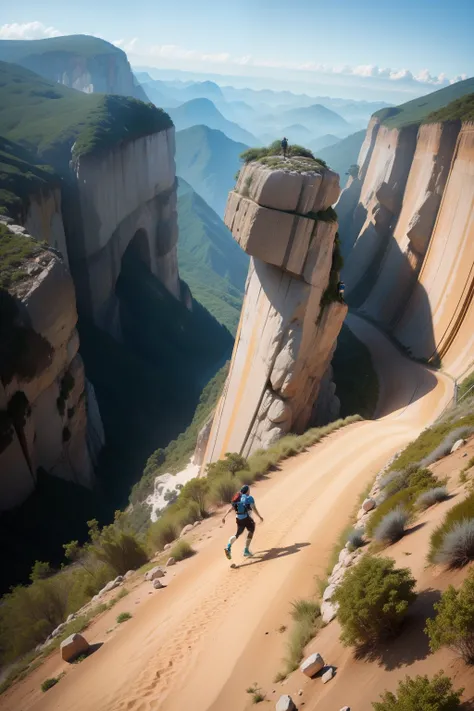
(245, 523)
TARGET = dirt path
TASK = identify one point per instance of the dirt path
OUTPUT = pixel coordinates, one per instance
(214, 631)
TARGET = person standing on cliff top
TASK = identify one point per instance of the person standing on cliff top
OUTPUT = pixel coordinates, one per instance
(243, 504)
(284, 146)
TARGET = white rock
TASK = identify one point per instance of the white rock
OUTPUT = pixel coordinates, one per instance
(107, 588)
(196, 523)
(346, 708)
(329, 592)
(167, 547)
(157, 584)
(60, 628)
(368, 505)
(186, 529)
(285, 703)
(328, 675)
(73, 646)
(312, 665)
(328, 612)
(118, 579)
(70, 618)
(128, 574)
(170, 561)
(346, 557)
(154, 573)
(459, 443)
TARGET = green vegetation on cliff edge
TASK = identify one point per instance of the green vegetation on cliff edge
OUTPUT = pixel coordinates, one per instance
(460, 110)
(50, 119)
(418, 110)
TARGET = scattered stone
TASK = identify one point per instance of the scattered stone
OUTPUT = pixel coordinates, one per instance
(167, 547)
(285, 703)
(346, 558)
(128, 574)
(186, 529)
(312, 665)
(154, 573)
(70, 618)
(300, 692)
(157, 584)
(170, 561)
(465, 454)
(196, 523)
(457, 445)
(328, 612)
(110, 586)
(368, 505)
(346, 708)
(328, 675)
(60, 628)
(73, 646)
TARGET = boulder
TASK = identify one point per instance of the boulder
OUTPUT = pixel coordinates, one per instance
(312, 665)
(328, 675)
(346, 708)
(60, 628)
(128, 574)
(73, 646)
(167, 547)
(157, 584)
(457, 445)
(171, 561)
(368, 505)
(119, 579)
(285, 703)
(346, 558)
(71, 617)
(107, 588)
(154, 573)
(328, 612)
(329, 592)
(196, 523)
(186, 529)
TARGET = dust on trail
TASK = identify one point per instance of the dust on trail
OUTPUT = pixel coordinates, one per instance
(203, 640)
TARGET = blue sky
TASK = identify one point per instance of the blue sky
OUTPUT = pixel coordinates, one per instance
(374, 48)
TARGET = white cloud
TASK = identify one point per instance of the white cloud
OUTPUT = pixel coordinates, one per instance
(365, 72)
(27, 31)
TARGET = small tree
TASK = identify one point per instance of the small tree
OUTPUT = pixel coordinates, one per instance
(196, 490)
(421, 694)
(453, 625)
(353, 171)
(40, 571)
(373, 600)
(231, 464)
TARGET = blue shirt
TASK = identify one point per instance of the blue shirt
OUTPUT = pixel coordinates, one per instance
(244, 506)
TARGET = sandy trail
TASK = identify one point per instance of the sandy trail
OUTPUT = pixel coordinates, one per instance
(204, 639)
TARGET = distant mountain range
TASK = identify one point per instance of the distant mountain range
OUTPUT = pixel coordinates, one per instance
(341, 155)
(203, 112)
(208, 160)
(210, 262)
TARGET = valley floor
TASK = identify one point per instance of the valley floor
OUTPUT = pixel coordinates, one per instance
(213, 631)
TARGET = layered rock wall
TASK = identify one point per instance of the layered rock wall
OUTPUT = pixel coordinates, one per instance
(409, 261)
(43, 405)
(126, 195)
(286, 336)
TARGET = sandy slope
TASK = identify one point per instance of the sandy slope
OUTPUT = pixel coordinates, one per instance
(200, 642)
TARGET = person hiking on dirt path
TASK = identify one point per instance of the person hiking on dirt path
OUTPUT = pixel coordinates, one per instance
(284, 146)
(243, 504)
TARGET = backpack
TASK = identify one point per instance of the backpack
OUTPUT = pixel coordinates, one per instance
(239, 506)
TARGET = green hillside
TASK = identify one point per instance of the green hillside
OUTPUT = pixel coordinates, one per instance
(459, 110)
(208, 160)
(48, 118)
(343, 154)
(417, 110)
(54, 56)
(211, 263)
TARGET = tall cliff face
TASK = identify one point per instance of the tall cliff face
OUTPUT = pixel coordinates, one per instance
(287, 331)
(43, 406)
(81, 62)
(127, 201)
(407, 233)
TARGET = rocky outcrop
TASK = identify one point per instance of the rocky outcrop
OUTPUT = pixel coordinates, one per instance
(407, 233)
(43, 404)
(85, 63)
(287, 331)
(127, 200)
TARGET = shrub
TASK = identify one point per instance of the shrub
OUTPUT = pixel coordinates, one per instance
(306, 617)
(116, 545)
(196, 490)
(373, 600)
(244, 477)
(389, 478)
(356, 538)
(48, 683)
(163, 531)
(453, 625)
(457, 548)
(445, 446)
(123, 617)
(421, 694)
(431, 497)
(231, 464)
(464, 511)
(223, 488)
(392, 527)
(182, 550)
